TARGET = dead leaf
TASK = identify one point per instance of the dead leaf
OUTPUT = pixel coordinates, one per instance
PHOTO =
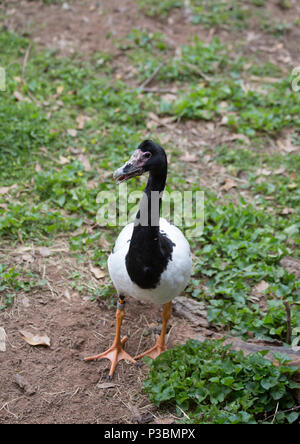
(44, 251)
(167, 121)
(240, 137)
(54, 131)
(97, 272)
(20, 381)
(24, 385)
(35, 339)
(3, 337)
(189, 157)
(60, 89)
(154, 121)
(85, 162)
(67, 294)
(25, 301)
(280, 171)
(165, 138)
(224, 120)
(263, 172)
(169, 97)
(165, 420)
(27, 258)
(20, 97)
(81, 119)
(210, 127)
(286, 145)
(63, 160)
(5, 190)
(92, 184)
(72, 132)
(287, 211)
(291, 264)
(104, 244)
(22, 250)
(74, 150)
(228, 185)
(106, 385)
(151, 124)
(261, 286)
(153, 116)
(38, 167)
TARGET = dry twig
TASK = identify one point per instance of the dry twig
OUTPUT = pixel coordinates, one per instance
(288, 322)
(153, 75)
(25, 62)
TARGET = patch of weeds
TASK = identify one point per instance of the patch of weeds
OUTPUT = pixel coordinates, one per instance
(67, 189)
(241, 246)
(218, 13)
(105, 293)
(275, 27)
(267, 69)
(259, 2)
(31, 221)
(7, 286)
(50, 2)
(273, 176)
(217, 90)
(145, 40)
(188, 64)
(208, 58)
(91, 244)
(237, 159)
(158, 7)
(284, 191)
(36, 116)
(250, 113)
(12, 281)
(211, 383)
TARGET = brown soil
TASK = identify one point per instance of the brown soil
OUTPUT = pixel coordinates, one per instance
(41, 384)
(53, 384)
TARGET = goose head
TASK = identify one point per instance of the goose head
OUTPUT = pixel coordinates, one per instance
(148, 157)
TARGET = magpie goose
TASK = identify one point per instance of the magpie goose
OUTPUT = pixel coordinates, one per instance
(151, 260)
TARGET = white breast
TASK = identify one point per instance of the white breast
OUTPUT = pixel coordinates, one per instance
(173, 280)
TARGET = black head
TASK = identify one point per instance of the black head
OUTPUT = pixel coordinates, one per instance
(148, 157)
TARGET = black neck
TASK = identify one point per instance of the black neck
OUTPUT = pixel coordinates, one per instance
(147, 218)
(150, 251)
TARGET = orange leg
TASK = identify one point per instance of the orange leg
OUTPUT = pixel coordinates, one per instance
(116, 352)
(160, 345)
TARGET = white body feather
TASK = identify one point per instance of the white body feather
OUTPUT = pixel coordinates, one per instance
(173, 280)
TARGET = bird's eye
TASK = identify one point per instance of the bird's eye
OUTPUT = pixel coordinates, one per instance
(147, 155)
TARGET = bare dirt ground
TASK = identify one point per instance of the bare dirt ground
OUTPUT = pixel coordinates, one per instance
(53, 384)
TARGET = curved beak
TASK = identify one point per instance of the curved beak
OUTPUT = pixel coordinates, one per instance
(132, 168)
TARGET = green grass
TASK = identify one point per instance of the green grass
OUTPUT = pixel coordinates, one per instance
(57, 175)
(157, 7)
(35, 131)
(210, 383)
(233, 14)
(13, 280)
(216, 86)
(241, 244)
(248, 112)
(273, 178)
